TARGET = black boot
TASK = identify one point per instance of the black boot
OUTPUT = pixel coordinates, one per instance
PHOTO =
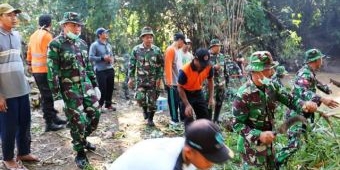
(57, 120)
(89, 146)
(51, 126)
(150, 119)
(145, 113)
(81, 160)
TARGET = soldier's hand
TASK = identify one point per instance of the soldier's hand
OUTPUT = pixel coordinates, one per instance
(211, 103)
(130, 83)
(267, 137)
(217, 67)
(188, 111)
(3, 104)
(158, 83)
(309, 107)
(330, 103)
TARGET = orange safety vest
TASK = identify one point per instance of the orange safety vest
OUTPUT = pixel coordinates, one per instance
(37, 50)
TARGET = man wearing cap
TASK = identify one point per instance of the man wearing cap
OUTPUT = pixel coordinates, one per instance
(70, 73)
(304, 87)
(253, 110)
(102, 56)
(201, 147)
(37, 63)
(146, 73)
(190, 81)
(15, 114)
(172, 63)
(217, 60)
(187, 55)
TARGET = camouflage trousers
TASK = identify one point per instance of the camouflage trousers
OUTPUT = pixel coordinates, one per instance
(259, 155)
(83, 117)
(294, 133)
(147, 98)
(219, 97)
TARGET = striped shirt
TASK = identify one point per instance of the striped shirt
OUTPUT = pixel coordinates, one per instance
(13, 82)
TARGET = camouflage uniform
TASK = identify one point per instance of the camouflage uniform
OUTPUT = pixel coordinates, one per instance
(253, 110)
(146, 68)
(219, 80)
(71, 74)
(279, 74)
(304, 87)
(233, 78)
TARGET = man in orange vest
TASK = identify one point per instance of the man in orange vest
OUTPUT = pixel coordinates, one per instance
(36, 60)
(190, 80)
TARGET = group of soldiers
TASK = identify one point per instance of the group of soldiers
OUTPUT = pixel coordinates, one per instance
(71, 76)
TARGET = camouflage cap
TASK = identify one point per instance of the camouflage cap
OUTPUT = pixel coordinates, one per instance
(261, 60)
(214, 42)
(72, 17)
(146, 31)
(6, 8)
(312, 55)
(281, 70)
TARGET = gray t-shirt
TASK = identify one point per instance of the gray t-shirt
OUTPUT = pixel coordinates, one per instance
(97, 51)
(13, 82)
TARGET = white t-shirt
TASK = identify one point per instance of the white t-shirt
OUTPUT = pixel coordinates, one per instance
(151, 154)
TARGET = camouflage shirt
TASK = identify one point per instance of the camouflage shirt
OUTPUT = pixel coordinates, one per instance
(305, 84)
(69, 69)
(219, 75)
(146, 65)
(232, 68)
(253, 109)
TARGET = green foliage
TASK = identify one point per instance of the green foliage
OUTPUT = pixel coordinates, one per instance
(291, 46)
(256, 21)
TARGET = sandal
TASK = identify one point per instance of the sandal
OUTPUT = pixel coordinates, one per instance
(17, 166)
(28, 158)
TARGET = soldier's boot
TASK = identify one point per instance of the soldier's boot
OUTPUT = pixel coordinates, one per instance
(51, 126)
(57, 120)
(150, 119)
(145, 113)
(81, 159)
(126, 95)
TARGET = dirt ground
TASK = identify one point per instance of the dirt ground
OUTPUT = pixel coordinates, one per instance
(117, 131)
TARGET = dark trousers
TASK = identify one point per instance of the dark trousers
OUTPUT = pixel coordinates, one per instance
(46, 96)
(16, 125)
(174, 103)
(105, 82)
(199, 104)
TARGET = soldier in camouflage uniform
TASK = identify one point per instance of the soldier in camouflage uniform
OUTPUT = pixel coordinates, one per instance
(253, 110)
(146, 72)
(233, 78)
(217, 60)
(304, 87)
(280, 73)
(71, 74)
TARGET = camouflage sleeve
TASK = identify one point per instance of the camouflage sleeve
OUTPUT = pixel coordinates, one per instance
(53, 63)
(303, 85)
(160, 66)
(132, 64)
(90, 72)
(283, 96)
(241, 113)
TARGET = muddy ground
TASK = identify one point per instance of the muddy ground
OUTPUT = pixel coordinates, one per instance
(116, 132)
